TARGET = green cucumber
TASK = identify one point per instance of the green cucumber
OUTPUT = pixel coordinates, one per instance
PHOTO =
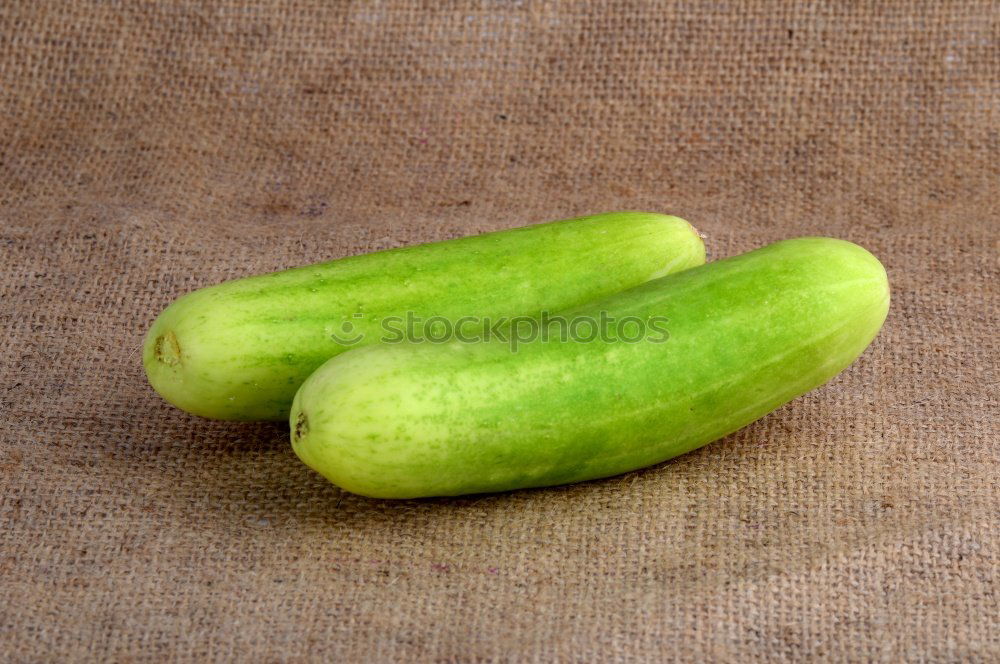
(240, 350)
(744, 336)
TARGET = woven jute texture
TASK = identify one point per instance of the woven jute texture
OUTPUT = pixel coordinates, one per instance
(150, 148)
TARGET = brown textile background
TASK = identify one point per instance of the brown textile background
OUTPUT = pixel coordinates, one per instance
(147, 149)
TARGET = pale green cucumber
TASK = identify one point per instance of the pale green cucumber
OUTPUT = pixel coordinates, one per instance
(745, 335)
(240, 350)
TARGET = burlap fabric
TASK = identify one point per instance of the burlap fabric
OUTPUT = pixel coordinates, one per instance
(147, 149)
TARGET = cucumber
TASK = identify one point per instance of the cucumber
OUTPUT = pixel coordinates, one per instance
(742, 336)
(240, 350)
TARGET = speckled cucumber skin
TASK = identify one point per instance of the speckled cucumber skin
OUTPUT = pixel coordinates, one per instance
(746, 335)
(240, 350)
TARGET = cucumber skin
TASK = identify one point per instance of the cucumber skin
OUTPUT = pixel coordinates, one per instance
(239, 350)
(746, 335)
